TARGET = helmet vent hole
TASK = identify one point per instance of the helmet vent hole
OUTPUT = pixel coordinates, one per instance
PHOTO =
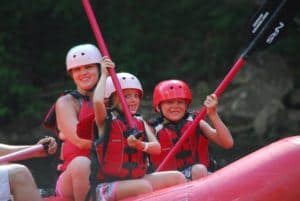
(171, 87)
(124, 78)
(74, 55)
(180, 86)
(82, 53)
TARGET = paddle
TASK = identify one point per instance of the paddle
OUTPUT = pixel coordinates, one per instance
(22, 154)
(102, 46)
(266, 27)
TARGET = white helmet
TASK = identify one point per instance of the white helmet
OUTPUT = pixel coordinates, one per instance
(127, 81)
(82, 55)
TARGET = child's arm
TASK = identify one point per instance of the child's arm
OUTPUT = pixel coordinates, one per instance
(151, 147)
(7, 149)
(98, 98)
(52, 146)
(220, 134)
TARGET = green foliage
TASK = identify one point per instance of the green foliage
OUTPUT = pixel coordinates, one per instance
(155, 39)
(17, 94)
(185, 39)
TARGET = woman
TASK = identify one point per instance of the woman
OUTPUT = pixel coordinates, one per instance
(74, 115)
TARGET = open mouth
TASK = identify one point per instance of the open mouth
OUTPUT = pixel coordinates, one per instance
(132, 108)
(84, 79)
(175, 112)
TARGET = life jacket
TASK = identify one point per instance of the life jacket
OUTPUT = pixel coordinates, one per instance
(84, 129)
(116, 159)
(193, 150)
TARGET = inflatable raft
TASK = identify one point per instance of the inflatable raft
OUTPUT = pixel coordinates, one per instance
(271, 173)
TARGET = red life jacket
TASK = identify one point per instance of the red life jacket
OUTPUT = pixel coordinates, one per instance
(117, 160)
(193, 150)
(84, 130)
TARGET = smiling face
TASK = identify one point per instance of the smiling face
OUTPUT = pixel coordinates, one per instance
(132, 98)
(174, 109)
(85, 77)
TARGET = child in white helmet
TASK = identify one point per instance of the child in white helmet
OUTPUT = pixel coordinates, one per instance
(74, 117)
(122, 158)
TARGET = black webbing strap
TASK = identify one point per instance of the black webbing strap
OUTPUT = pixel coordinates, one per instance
(95, 165)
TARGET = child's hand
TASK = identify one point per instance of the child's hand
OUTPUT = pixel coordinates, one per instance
(49, 143)
(105, 64)
(133, 142)
(211, 103)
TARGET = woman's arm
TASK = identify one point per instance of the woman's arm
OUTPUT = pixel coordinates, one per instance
(67, 120)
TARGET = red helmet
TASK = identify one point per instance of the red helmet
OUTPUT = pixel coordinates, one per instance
(171, 89)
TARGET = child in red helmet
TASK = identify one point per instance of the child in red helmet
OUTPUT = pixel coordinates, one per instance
(171, 99)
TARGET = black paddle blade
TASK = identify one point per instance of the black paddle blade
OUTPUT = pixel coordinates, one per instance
(271, 20)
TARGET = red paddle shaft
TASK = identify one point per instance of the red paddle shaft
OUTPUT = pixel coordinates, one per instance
(22, 154)
(259, 37)
(104, 51)
(237, 66)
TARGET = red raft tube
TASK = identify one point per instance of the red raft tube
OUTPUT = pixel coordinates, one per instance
(271, 173)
